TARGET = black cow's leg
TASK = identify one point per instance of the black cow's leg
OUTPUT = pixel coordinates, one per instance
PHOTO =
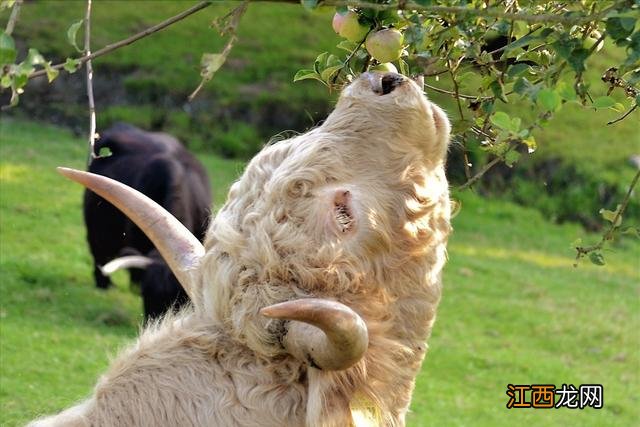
(102, 281)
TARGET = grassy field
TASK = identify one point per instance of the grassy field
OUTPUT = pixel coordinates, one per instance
(514, 309)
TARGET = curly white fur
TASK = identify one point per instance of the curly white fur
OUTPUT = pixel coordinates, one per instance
(278, 238)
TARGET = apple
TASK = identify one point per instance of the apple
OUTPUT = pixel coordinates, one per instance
(386, 67)
(349, 27)
(385, 45)
(338, 20)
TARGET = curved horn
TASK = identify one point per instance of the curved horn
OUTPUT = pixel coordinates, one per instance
(132, 261)
(332, 337)
(179, 248)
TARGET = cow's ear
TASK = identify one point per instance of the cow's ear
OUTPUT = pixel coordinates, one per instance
(442, 124)
(342, 217)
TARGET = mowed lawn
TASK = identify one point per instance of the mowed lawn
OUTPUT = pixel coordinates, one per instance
(514, 308)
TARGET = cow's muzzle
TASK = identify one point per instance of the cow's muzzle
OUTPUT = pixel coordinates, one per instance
(384, 83)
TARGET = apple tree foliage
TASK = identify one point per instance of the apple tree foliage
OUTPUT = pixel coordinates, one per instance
(486, 54)
(483, 53)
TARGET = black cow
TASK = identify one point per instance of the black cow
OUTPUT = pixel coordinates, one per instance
(157, 165)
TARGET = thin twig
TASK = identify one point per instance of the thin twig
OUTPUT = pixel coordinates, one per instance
(334, 79)
(89, 69)
(479, 175)
(15, 12)
(624, 116)
(117, 45)
(584, 250)
(232, 27)
(452, 71)
(448, 92)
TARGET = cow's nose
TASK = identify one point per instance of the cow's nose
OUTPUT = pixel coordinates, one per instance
(384, 83)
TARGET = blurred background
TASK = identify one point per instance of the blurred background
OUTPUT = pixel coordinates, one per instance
(514, 310)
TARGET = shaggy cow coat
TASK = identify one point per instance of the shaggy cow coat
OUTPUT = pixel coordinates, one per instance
(355, 211)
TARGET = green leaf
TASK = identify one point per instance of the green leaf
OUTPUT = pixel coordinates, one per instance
(516, 70)
(211, 63)
(52, 73)
(347, 45)
(24, 68)
(305, 75)
(620, 27)
(618, 107)
(71, 65)
(7, 4)
(5, 81)
(329, 72)
(501, 119)
(333, 60)
(576, 243)
(515, 124)
(404, 67)
(523, 87)
(498, 90)
(604, 102)
(321, 60)
(566, 91)
(611, 216)
(309, 4)
(461, 126)
(20, 81)
(522, 41)
(577, 59)
(511, 157)
(632, 231)
(596, 258)
(456, 207)
(34, 57)
(7, 49)
(72, 31)
(531, 144)
(548, 99)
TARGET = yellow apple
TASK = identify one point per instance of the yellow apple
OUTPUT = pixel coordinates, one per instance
(385, 45)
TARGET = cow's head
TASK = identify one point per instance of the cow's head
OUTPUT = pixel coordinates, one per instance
(333, 213)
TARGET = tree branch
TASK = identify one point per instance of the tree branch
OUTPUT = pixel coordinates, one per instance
(461, 10)
(455, 95)
(584, 250)
(624, 116)
(15, 12)
(117, 45)
(479, 175)
(230, 27)
(89, 69)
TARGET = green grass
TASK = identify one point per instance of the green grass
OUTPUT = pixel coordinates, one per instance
(254, 88)
(514, 310)
(274, 42)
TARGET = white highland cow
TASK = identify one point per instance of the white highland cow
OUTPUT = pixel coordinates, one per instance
(317, 285)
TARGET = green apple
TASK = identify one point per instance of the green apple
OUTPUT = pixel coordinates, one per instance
(385, 45)
(386, 67)
(349, 27)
